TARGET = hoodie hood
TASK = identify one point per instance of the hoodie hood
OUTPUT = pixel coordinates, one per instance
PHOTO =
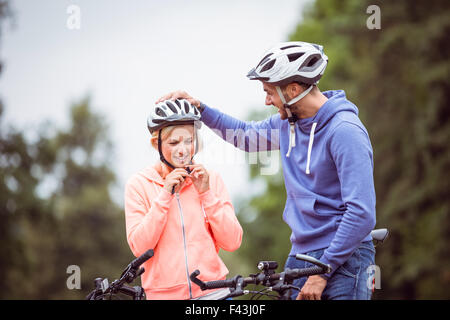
(337, 102)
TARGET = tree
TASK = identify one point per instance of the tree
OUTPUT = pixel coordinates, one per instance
(19, 204)
(92, 226)
(46, 229)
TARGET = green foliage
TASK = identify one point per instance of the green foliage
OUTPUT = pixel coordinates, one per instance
(75, 223)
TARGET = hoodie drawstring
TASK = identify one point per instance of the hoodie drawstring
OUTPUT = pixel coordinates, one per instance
(291, 118)
(310, 145)
(291, 139)
(292, 132)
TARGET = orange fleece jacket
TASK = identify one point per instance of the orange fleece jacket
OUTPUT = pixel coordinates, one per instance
(155, 219)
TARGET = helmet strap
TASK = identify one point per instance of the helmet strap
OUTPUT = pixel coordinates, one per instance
(292, 118)
(161, 156)
(164, 160)
(287, 105)
(195, 148)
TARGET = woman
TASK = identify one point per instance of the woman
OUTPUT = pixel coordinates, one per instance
(179, 209)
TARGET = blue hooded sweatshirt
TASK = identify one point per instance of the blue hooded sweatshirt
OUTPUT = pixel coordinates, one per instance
(328, 174)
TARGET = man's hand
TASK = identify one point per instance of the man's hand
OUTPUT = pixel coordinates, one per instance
(313, 288)
(179, 94)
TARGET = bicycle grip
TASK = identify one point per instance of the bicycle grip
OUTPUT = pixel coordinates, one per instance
(215, 284)
(140, 260)
(129, 291)
(305, 272)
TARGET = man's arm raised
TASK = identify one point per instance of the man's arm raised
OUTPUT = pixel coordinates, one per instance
(250, 136)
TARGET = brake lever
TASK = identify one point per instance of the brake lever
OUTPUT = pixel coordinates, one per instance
(238, 291)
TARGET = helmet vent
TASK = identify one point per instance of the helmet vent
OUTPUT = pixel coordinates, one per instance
(268, 65)
(264, 59)
(291, 46)
(312, 62)
(160, 112)
(294, 56)
(186, 107)
(172, 107)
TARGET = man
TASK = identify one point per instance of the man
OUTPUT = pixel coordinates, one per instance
(328, 167)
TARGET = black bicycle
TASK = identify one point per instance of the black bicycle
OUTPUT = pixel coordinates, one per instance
(275, 285)
(109, 291)
(278, 283)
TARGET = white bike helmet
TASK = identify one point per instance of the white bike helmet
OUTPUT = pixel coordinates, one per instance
(289, 62)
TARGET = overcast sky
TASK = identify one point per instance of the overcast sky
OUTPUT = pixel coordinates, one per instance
(127, 54)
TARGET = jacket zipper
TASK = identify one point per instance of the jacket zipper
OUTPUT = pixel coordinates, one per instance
(184, 244)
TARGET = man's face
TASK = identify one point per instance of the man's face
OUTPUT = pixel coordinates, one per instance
(273, 99)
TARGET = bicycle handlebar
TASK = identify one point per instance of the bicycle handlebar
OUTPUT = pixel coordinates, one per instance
(140, 260)
(288, 275)
(211, 284)
(279, 282)
(131, 272)
(305, 272)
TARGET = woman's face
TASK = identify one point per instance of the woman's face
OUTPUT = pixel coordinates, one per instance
(178, 146)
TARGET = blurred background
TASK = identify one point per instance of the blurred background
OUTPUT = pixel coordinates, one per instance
(77, 78)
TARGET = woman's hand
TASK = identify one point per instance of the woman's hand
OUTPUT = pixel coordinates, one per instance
(175, 179)
(200, 177)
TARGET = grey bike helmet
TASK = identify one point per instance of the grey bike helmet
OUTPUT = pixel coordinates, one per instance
(169, 113)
